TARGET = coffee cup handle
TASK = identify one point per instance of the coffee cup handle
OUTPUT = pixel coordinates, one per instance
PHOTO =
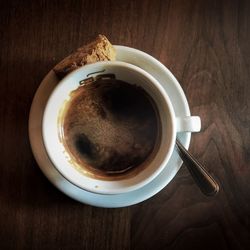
(188, 124)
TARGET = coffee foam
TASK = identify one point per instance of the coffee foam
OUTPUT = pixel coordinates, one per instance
(110, 127)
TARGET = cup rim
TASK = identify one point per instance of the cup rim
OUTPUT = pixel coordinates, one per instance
(103, 190)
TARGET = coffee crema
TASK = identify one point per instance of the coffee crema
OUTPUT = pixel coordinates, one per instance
(110, 127)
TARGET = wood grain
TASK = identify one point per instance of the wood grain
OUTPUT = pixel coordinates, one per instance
(206, 45)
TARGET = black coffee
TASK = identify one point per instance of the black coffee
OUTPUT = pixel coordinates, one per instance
(110, 126)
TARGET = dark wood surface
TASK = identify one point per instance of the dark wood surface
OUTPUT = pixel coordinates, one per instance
(206, 44)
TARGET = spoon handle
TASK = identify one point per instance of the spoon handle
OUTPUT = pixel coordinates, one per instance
(203, 179)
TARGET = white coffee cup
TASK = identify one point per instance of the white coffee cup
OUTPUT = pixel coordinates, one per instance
(170, 125)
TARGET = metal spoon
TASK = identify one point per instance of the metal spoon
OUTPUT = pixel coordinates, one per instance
(203, 179)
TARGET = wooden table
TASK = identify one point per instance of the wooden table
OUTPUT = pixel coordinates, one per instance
(206, 44)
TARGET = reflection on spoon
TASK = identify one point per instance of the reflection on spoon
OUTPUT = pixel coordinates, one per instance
(203, 179)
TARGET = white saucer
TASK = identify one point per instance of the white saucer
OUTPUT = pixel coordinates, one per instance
(179, 101)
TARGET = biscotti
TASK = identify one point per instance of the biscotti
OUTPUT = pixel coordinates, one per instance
(98, 50)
